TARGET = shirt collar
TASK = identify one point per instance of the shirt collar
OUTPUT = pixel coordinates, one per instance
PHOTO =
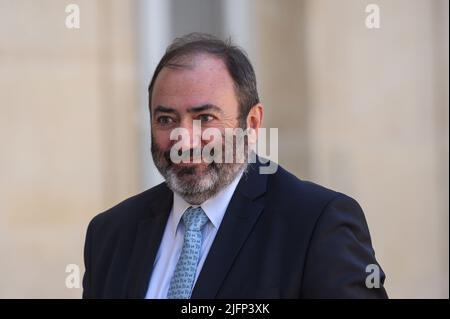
(213, 207)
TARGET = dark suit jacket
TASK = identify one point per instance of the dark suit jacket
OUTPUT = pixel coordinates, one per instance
(280, 238)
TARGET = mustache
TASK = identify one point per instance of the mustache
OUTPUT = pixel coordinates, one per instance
(190, 155)
(187, 155)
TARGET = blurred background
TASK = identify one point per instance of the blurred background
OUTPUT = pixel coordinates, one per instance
(363, 111)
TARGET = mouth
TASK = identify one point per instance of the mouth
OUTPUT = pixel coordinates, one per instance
(192, 166)
(192, 170)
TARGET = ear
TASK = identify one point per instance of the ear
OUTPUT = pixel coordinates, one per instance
(255, 116)
(254, 121)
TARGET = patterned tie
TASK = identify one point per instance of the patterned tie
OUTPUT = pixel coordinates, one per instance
(183, 278)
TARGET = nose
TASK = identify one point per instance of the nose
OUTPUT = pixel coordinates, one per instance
(193, 128)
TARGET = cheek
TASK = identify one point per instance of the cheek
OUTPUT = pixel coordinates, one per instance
(162, 139)
(228, 122)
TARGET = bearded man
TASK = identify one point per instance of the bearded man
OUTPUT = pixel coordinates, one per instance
(217, 228)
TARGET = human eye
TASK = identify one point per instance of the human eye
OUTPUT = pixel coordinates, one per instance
(206, 117)
(164, 120)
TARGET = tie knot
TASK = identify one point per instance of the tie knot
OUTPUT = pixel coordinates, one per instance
(194, 218)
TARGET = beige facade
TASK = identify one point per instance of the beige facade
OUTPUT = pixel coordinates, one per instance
(363, 111)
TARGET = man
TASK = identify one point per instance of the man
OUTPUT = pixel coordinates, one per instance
(219, 229)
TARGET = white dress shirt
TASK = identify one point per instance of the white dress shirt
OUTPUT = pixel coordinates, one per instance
(172, 242)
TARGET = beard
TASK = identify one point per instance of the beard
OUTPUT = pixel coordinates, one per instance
(196, 183)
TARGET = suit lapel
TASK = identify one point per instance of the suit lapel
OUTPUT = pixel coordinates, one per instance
(148, 238)
(240, 217)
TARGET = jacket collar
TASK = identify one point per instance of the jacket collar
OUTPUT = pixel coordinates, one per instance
(240, 216)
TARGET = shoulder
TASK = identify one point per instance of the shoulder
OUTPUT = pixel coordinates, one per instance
(130, 210)
(303, 199)
(289, 187)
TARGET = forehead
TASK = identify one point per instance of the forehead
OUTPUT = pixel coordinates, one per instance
(199, 79)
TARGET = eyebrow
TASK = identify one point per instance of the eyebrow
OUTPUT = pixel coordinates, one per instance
(194, 109)
(205, 107)
(164, 109)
